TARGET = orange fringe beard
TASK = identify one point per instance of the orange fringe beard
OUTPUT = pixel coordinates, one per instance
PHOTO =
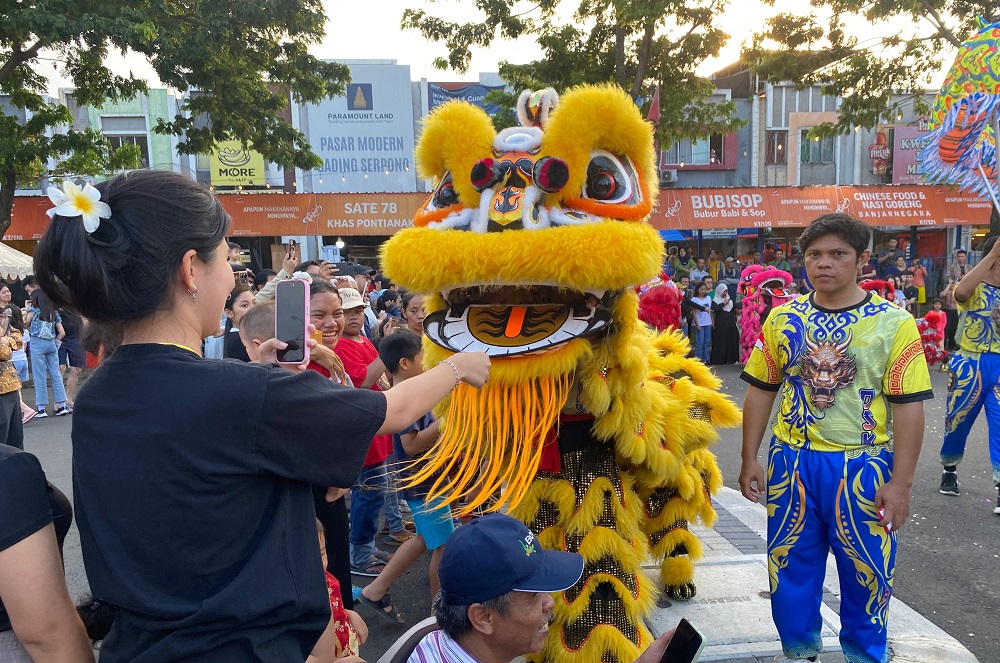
(504, 426)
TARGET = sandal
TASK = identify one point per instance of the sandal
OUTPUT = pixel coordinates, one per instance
(398, 539)
(382, 556)
(384, 608)
(372, 570)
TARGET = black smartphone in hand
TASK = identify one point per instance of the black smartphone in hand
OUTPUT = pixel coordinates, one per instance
(685, 645)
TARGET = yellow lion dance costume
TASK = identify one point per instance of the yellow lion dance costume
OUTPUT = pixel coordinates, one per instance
(592, 430)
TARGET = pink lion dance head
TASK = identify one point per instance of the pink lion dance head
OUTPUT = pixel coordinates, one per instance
(763, 288)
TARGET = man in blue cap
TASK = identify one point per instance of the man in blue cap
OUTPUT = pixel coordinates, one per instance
(496, 599)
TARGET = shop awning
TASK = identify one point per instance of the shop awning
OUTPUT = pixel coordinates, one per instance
(718, 210)
(782, 207)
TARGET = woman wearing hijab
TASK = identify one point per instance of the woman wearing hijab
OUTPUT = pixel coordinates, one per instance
(726, 340)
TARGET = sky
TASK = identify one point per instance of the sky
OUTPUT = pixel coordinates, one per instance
(369, 29)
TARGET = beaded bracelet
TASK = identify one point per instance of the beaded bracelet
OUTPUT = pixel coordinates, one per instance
(458, 377)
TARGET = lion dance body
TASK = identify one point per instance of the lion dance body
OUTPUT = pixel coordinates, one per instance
(592, 429)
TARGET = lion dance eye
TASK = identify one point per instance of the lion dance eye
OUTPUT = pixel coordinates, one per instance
(445, 194)
(610, 179)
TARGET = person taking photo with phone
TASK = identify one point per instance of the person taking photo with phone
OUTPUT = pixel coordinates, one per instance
(192, 477)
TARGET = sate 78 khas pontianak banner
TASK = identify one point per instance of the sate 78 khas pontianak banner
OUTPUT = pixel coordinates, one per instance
(780, 207)
(272, 214)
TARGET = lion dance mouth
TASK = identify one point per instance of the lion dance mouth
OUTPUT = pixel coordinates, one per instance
(591, 430)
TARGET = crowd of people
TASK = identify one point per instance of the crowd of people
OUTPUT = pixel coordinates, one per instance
(711, 295)
(183, 512)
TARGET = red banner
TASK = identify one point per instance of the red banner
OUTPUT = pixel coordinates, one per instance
(273, 214)
(780, 207)
(382, 214)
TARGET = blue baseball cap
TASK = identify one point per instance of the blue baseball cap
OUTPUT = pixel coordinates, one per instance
(497, 554)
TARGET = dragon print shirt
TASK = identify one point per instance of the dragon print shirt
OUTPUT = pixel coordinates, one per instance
(979, 321)
(838, 371)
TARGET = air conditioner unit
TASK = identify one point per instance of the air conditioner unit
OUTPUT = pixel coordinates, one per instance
(668, 177)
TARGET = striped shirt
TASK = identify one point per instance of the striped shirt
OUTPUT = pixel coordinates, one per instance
(437, 647)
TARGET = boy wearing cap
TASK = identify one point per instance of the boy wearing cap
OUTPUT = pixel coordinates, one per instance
(366, 370)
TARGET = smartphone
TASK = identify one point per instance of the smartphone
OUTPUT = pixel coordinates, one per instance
(291, 320)
(685, 645)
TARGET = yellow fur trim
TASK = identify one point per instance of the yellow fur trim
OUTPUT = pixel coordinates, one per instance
(676, 571)
(599, 117)
(455, 136)
(578, 520)
(603, 639)
(611, 255)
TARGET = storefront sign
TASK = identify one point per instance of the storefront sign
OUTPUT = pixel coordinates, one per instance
(769, 207)
(231, 165)
(382, 214)
(475, 94)
(907, 142)
(365, 138)
(273, 214)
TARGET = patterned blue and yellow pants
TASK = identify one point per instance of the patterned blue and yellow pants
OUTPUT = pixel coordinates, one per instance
(973, 382)
(818, 501)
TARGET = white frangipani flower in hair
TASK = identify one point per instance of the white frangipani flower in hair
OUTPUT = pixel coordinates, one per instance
(73, 201)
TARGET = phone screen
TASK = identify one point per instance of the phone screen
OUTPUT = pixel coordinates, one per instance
(290, 319)
(685, 645)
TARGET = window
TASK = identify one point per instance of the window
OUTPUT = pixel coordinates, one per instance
(117, 141)
(777, 148)
(127, 130)
(698, 152)
(813, 150)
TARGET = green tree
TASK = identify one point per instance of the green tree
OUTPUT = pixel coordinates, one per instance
(235, 56)
(913, 40)
(637, 44)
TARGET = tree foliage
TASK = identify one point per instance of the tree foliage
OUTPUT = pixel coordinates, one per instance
(236, 55)
(913, 40)
(637, 44)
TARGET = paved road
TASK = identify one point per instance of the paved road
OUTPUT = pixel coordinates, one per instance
(948, 566)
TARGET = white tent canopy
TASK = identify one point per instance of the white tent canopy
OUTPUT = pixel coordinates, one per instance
(14, 264)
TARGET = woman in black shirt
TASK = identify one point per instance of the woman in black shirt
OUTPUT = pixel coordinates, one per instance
(37, 619)
(191, 476)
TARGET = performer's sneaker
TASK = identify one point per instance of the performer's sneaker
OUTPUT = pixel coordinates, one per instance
(996, 509)
(949, 483)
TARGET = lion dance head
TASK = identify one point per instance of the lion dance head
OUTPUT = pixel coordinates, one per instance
(528, 249)
(763, 288)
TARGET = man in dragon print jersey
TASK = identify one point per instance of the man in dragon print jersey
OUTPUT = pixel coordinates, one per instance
(974, 371)
(847, 435)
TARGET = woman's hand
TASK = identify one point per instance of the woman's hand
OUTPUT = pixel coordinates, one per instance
(268, 351)
(473, 367)
(329, 360)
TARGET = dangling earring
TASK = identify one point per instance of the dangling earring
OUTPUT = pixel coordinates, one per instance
(194, 294)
